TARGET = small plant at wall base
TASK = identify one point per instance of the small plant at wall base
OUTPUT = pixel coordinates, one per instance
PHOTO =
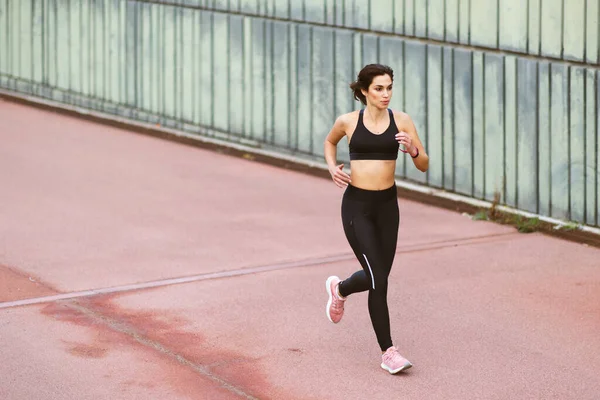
(481, 215)
(494, 213)
(523, 224)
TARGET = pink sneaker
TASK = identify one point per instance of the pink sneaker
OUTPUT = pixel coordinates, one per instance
(393, 362)
(335, 304)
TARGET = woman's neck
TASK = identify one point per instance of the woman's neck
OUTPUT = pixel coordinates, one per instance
(375, 113)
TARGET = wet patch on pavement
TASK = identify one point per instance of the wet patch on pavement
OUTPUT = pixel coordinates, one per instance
(189, 362)
(16, 285)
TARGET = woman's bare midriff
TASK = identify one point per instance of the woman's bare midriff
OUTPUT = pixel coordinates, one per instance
(373, 174)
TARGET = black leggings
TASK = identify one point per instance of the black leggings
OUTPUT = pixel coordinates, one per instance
(370, 219)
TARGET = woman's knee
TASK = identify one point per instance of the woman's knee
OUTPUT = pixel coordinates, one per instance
(380, 285)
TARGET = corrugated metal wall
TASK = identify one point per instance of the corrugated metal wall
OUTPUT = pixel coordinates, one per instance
(503, 92)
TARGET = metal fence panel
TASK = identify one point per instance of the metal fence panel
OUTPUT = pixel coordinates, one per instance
(534, 37)
(510, 131)
(568, 31)
(305, 88)
(512, 25)
(415, 94)
(379, 14)
(322, 93)
(576, 144)
(544, 140)
(281, 84)
(552, 28)
(462, 103)
(451, 20)
(392, 53)
(592, 143)
(484, 27)
(5, 38)
(219, 73)
(574, 30)
(207, 83)
(493, 116)
(592, 33)
(435, 19)
(493, 121)
(597, 136)
(434, 139)
(527, 136)
(559, 140)
(449, 131)
(478, 125)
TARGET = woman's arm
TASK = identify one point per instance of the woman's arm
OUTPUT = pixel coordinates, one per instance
(413, 143)
(337, 132)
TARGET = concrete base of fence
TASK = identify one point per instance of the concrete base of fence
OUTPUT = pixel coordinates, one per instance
(408, 190)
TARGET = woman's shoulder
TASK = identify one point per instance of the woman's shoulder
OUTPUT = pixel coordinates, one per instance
(351, 114)
(349, 118)
(399, 114)
(401, 118)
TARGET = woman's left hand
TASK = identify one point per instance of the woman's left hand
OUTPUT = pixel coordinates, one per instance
(404, 139)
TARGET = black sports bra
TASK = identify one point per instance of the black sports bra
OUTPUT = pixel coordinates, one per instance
(365, 145)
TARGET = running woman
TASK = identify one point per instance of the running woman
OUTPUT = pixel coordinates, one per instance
(369, 210)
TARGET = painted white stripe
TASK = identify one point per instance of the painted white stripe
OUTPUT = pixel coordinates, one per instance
(474, 240)
(369, 265)
(177, 281)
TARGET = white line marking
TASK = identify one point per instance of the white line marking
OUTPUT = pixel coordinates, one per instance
(369, 265)
(175, 281)
(247, 271)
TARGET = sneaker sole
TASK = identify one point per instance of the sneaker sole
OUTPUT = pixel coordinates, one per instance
(395, 371)
(327, 287)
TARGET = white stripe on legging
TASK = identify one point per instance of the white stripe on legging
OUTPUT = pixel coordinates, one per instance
(369, 265)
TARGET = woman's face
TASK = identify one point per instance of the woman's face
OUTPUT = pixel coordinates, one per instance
(380, 91)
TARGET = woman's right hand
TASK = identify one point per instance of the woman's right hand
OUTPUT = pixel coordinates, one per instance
(340, 178)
